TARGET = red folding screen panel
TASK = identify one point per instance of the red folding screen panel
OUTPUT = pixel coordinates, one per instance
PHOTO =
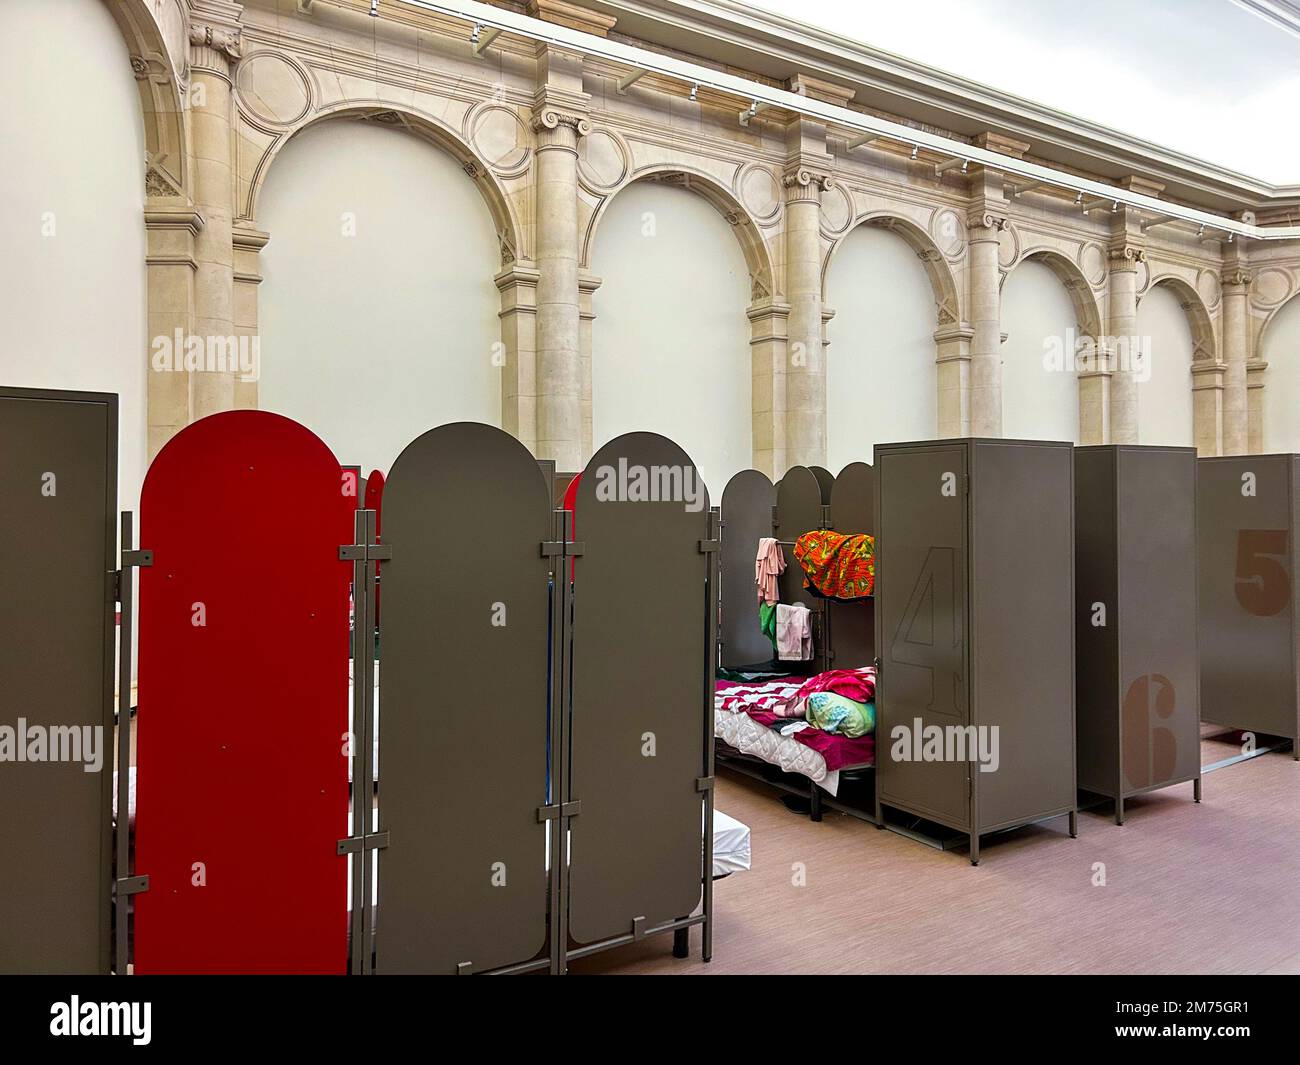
(242, 772)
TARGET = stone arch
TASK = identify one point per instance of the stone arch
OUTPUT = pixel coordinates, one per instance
(757, 258)
(159, 61)
(1086, 308)
(947, 299)
(1204, 346)
(426, 127)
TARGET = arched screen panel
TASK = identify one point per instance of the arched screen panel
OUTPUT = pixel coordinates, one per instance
(243, 776)
(747, 504)
(637, 733)
(463, 718)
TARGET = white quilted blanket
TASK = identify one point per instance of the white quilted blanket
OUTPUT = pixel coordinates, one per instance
(742, 732)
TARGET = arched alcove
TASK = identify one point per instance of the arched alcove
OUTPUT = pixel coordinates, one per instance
(378, 312)
(1040, 317)
(1280, 348)
(881, 377)
(73, 194)
(670, 340)
(1165, 333)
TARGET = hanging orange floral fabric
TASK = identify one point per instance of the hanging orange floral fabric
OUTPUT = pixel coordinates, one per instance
(836, 565)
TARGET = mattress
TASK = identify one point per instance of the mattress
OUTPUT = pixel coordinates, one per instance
(730, 845)
(746, 735)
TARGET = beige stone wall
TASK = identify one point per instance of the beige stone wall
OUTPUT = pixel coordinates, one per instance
(549, 139)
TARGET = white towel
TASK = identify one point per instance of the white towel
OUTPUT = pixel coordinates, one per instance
(793, 633)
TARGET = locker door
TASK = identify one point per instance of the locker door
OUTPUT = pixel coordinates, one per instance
(921, 603)
(1246, 599)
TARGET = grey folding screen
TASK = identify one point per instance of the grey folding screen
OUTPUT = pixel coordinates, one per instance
(975, 594)
(825, 481)
(799, 504)
(1248, 510)
(58, 479)
(464, 700)
(1135, 585)
(747, 505)
(640, 754)
(853, 625)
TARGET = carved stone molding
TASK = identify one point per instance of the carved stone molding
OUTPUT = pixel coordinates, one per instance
(558, 129)
(1124, 258)
(214, 48)
(1235, 277)
(803, 184)
(982, 218)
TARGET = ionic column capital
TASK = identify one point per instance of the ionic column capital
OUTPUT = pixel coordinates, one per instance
(803, 184)
(1236, 279)
(214, 48)
(1124, 258)
(981, 218)
(558, 129)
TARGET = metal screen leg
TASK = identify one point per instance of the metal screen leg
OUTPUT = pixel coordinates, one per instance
(1074, 824)
(1196, 790)
(125, 885)
(1119, 810)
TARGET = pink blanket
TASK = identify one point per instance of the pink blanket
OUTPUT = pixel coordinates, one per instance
(757, 700)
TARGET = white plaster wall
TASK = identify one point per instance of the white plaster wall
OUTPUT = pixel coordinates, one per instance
(72, 276)
(1037, 316)
(1165, 401)
(881, 378)
(1280, 348)
(670, 341)
(374, 338)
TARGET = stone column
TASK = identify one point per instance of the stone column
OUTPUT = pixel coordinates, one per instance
(985, 323)
(768, 321)
(587, 285)
(172, 233)
(805, 368)
(214, 48)
(248, 245)
(559, 357)
(1124, 351)
(1255, 406)
(1236, 283)
(517, 283)
(952, 354)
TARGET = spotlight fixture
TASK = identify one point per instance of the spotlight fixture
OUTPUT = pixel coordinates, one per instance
(1201, 232)
(374, 8)
(473, 37)
(915, 148)
(695, 88)
(1078, 199)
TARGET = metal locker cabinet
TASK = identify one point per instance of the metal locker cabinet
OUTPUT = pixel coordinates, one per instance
(974, 594)
(1246, 520)
(921, 623)
(58, 477)
(1138, 681)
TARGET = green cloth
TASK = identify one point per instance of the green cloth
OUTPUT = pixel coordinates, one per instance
(835, 713)
(767, 621)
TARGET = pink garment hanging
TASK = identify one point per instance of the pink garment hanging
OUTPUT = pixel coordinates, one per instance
(768, 566)
(793, 633)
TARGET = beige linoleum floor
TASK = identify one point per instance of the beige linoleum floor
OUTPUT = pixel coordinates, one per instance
(1213, 888)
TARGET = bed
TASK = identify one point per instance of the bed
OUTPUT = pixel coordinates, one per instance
(819, 756)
